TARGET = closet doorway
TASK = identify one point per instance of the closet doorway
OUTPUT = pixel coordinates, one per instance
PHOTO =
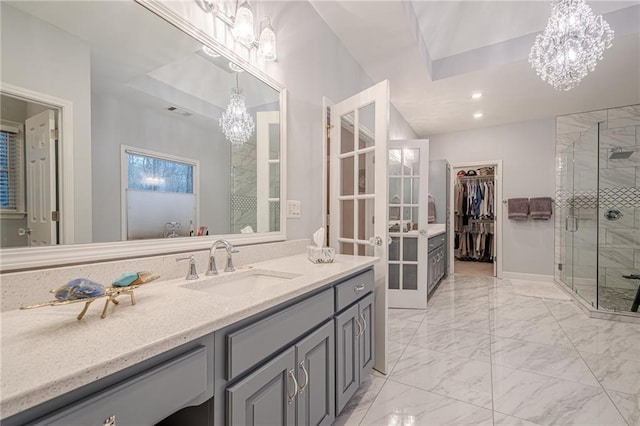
(475, 245)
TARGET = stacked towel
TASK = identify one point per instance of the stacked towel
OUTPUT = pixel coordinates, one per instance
(431, 209)
(518, 208)
(541, 208)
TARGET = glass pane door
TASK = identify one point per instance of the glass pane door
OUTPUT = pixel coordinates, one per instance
(407, 224)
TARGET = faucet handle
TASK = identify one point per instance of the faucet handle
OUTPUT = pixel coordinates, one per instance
(193, 273)
(212, 265)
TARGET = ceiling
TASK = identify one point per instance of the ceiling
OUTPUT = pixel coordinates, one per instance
(437, 53)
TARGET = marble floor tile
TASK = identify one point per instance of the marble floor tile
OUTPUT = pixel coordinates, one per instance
(449, 375)
(613, 339)
(539, 289)
(394, 352)
(399, 404)
(549, 401)
(618, 374)
(416, 315)
(455, 341)
(553, 361)
(357, 407)
(401, 330)
(500, 419)
(541, 329)
(628, 405)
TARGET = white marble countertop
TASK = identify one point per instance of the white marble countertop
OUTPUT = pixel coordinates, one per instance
(434, 229)
(46, 352)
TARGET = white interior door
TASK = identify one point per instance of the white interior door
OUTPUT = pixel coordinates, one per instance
(408, 251)
(41, 178)
(358, 190)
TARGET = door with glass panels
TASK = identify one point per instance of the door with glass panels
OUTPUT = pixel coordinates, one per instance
(407, 200)
(358, 189)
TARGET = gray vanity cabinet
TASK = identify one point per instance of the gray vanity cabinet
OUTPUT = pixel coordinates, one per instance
(315, 361)
(354, 349)
(266, 396)
(347, 360)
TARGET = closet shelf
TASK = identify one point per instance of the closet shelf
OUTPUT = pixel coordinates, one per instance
(490, 177)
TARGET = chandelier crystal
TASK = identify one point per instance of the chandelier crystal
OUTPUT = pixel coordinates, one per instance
(571, 44)
(235, 122)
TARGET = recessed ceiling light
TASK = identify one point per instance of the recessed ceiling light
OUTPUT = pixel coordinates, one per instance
(476, 95)
(477, 115)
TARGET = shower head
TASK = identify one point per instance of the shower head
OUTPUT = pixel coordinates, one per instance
(619, 154)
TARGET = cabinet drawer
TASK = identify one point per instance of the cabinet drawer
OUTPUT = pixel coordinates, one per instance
(436, 241)
(353, 289)
(250, 345)
(146, 398)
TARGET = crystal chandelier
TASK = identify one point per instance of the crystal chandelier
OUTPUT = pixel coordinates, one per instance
(571, 44)
(236, 123)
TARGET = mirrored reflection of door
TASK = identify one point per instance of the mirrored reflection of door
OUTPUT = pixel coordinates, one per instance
(358, 189)
(408, 186)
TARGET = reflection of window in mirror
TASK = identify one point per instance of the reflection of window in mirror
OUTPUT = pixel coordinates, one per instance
(11, 168)
(158, 189)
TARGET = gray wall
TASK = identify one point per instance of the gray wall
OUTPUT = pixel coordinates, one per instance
(123, 123)
(42, 58)
(438, 188)
(528, 151)
(312, 63)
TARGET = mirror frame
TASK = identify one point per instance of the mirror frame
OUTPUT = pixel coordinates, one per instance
(17, 259)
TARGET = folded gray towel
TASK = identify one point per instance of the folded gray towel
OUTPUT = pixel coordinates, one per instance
(540, 208)
(518, 208)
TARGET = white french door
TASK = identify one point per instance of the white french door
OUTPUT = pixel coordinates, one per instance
(408, 252)
(358, 190)
(41, 178)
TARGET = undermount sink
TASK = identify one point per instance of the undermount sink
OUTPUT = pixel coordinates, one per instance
(244, 280)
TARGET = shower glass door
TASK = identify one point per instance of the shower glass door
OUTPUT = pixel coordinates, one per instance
(580, 214)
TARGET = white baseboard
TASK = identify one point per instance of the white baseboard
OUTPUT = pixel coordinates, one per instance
(527, 277)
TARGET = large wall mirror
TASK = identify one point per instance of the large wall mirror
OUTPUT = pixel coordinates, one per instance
(111, 131)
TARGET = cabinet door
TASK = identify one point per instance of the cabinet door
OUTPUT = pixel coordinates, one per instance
(265, 396)
(347, 359)
(315, 360)
(367, 336)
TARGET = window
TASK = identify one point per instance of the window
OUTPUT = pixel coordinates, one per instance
(149, 173)
(11, 169)
(159, 193)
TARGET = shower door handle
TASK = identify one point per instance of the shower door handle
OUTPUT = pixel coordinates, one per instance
(571, 224)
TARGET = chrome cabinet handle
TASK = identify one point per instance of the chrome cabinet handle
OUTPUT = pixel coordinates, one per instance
(306, 377)
(295, 384)
(364, 323)
(358, 288)
(360, 330)
(111, 421)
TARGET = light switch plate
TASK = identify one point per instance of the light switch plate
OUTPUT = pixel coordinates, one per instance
(293, 209)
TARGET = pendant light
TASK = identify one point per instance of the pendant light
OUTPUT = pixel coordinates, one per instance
(267, 41)
(571, 44)
(243, 24)
(236, 123)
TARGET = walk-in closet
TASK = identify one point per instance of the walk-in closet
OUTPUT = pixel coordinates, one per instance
(474, 221)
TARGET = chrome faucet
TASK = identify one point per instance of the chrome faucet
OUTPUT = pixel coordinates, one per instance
(192, 274)
(212, 259)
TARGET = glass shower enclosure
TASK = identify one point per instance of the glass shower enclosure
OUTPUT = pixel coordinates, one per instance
(598, 207)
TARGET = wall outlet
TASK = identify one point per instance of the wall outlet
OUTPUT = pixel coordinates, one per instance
(293, 209)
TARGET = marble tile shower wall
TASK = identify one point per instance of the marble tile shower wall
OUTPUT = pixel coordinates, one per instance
(615, 246)
(32, 286)
(244, 198)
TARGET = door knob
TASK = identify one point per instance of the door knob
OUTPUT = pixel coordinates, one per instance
(423, 232)
(375, 241)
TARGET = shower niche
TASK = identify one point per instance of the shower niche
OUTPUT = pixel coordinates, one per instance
(597, 225)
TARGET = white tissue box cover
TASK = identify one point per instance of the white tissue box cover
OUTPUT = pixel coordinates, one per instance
(321, 254)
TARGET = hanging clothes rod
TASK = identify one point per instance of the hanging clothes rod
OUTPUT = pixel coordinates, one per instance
(506, 201)
(475, 177)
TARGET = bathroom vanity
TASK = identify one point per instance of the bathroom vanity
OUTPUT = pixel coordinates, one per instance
(291, 349)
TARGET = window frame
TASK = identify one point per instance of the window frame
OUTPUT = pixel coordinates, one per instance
(20, 211)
